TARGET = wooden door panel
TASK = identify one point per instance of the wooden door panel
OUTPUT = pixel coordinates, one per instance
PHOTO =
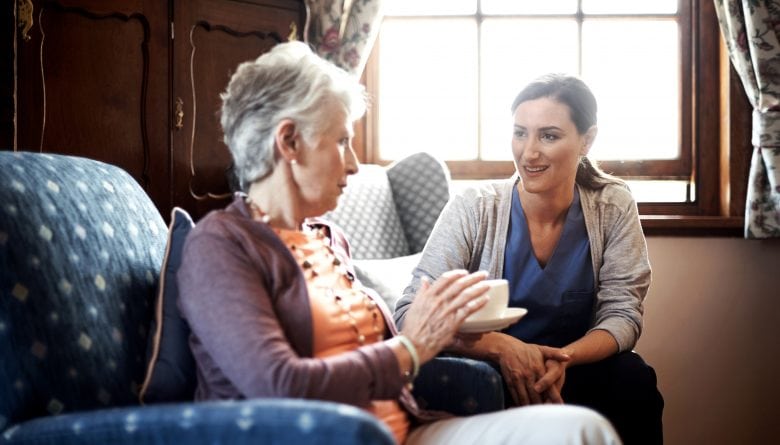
(212, 38)
(8, 26)
(92, 82)
(215, 50)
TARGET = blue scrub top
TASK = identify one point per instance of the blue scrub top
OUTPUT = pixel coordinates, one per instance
(560, 296)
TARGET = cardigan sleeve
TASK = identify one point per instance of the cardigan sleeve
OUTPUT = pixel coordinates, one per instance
(449, 247)
(624, 275)
(241, 346)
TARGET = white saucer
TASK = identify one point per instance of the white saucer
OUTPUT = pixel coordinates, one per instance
(508, 317)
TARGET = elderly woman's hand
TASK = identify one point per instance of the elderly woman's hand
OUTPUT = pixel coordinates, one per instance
(440, 308)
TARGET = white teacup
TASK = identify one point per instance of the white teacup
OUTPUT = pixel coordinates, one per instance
(498, 300)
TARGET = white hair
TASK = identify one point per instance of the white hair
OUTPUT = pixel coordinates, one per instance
(288, 82)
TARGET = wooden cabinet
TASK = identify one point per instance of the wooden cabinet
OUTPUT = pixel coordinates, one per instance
(135, 83)
(92, 80)
(211, 38)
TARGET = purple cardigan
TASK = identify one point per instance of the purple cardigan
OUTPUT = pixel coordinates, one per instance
(245, 299)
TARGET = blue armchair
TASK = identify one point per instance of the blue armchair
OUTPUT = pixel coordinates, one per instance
(81, 249)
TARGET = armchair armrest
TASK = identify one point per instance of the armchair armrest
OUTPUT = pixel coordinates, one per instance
(460, 386)
(277, 421)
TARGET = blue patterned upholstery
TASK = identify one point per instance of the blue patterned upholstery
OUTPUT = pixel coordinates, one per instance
(80, 251)
(459, 386)
(81, 247)
(268, 421)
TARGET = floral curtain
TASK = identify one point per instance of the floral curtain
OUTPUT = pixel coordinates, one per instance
(343, 31)
(751, 29)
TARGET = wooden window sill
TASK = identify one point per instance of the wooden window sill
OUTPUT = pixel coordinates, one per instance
(690, 225)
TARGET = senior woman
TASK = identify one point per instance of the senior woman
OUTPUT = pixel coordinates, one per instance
(267, 288)
(567, 238)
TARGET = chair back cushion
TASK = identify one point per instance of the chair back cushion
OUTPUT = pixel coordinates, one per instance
(421, 189)
(81, 246)
(367, 215)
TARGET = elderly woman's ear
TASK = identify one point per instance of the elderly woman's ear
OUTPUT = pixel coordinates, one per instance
(287, 140)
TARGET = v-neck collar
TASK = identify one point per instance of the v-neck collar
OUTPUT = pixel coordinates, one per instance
(572, 214)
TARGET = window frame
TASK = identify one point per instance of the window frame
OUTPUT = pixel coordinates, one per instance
(717, 125)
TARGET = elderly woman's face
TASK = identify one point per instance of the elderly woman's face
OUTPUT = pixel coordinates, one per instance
(325, 162)
(546, 145)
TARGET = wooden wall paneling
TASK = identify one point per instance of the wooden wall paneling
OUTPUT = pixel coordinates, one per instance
(102, 79)
(92, 81)
(211, 38)
(735, 132)
(740, 121)
(364, 142)
(707, 111)
(7, 80)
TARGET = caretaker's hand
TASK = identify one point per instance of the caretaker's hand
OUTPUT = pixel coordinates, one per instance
(523, 365)
(464, 341)
(551, 383)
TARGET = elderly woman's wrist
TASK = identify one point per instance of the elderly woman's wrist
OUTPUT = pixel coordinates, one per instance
(411, 373)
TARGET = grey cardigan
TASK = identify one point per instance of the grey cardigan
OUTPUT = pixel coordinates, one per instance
(471, 234)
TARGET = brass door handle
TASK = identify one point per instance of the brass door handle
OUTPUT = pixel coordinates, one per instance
(293, 35)
(179, 114)
(25, 18)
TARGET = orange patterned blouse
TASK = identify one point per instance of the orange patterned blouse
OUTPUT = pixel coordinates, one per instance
(344, 318)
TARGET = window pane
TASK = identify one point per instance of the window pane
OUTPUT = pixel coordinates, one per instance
(428, 88)
(633, 69)
(513, 54)
(658, 191)
(629, 7)
(429, 7)
(516, 7)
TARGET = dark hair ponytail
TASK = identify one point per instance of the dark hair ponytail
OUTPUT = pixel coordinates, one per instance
(590, 176)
